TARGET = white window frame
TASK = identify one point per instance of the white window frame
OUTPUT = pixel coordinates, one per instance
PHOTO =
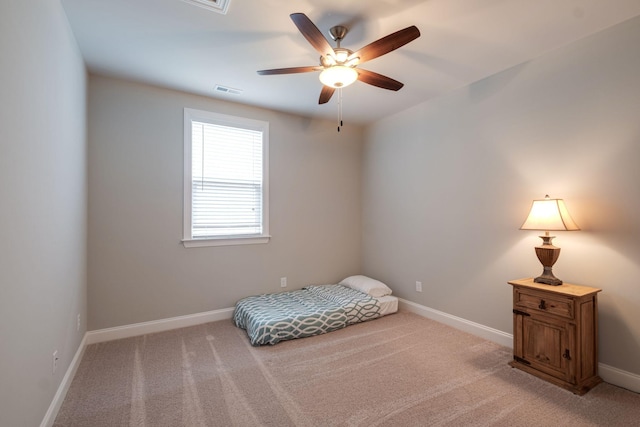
(191, 115)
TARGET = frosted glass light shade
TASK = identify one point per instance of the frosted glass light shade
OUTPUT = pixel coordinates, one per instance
(338, 76)
(549, 214)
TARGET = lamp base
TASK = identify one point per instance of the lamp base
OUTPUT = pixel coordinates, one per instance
(547, 255)
(548, 278)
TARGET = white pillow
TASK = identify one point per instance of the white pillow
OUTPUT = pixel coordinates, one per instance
(367, 285)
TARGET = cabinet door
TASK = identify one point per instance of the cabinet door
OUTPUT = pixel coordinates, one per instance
(546, 345)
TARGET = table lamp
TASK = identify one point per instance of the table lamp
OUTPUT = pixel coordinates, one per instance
(548, 215)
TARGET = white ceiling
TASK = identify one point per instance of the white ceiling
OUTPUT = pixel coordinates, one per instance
(178, 45)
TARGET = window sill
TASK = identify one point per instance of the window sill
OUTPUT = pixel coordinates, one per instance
(225, 241)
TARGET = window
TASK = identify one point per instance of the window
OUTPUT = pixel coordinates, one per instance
(225, 179)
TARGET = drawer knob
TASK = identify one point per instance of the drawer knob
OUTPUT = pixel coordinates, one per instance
(542, 305)
(566, 354)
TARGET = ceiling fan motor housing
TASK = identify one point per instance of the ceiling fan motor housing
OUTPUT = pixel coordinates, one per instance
(341, 57)
(338, 32)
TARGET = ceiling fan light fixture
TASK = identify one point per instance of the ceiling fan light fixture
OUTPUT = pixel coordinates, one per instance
(352, 62)
(342, 55)
(338, 76)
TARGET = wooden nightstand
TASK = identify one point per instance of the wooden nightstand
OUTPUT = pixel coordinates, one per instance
(555, 333)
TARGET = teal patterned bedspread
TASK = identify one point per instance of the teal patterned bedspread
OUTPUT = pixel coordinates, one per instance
(314, 310)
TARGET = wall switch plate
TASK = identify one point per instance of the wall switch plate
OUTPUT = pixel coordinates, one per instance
(283, 282)
(78, 323)
(418, 286)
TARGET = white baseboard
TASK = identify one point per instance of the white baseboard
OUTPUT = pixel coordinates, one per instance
(56, 403)
(137, 329)
(619, 377)
(609, 374)
(476, 329)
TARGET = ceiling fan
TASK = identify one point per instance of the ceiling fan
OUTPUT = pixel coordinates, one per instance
(338, 67)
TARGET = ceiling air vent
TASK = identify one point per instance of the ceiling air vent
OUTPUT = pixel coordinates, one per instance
(229, 90)
(219, 6)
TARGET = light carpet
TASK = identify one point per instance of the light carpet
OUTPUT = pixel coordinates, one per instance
(400, 370)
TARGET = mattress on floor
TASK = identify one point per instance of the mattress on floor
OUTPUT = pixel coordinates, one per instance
(314, 310)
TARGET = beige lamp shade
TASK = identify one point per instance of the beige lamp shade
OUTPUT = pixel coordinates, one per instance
(549, 214)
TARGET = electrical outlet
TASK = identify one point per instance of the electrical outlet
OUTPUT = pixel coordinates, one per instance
(283, 282)
(418, 286)
(55, 362)
(78, 323)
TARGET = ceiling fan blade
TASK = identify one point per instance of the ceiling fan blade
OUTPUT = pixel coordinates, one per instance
(292, 70)
(312, 34)
(378, 80)
(326, 94)
(386, 44)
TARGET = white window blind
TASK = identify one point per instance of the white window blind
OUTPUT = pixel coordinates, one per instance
(227, 182)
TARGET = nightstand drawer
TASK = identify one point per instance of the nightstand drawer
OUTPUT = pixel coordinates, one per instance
(544, 303)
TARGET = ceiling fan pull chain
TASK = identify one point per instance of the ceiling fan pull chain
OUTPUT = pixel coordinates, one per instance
(339, 109)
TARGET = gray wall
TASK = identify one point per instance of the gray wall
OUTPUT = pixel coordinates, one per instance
(43, 205)
(447, 184)
(138, 269)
